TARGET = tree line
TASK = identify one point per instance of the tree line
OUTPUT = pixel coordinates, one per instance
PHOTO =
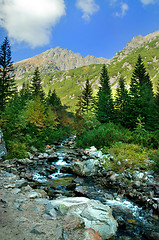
(129, 107)
(29, 117)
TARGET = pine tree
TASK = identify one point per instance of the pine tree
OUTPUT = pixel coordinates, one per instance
(121, 103)
(87, 97)
(142, 99)
(157, 97)
(7, 83)
(54, 100)
(105, 108)
(36, 87)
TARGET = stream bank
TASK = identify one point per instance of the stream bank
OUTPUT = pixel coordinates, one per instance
(50, 175)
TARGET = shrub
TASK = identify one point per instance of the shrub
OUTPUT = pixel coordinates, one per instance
(104, 135)
(16, 150)
(127, 157)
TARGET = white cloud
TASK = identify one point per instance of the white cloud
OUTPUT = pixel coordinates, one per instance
(30, 21)
(146, 2)
(88, 7)
(124, 9)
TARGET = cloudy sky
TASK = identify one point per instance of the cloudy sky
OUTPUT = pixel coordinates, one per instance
(95, 27)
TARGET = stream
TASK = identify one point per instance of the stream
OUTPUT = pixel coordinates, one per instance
(134, 221)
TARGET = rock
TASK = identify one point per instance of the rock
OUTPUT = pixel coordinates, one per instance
(37, 231)
(91, 234)
(51, 212)
(3, 150)
(33, 195)
(95, 215)
(73, 221)
(87, 168)
(21, 183)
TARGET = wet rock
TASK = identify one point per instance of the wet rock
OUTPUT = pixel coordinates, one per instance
(151, 235)
(71, 186)
(81, 192)
(94, 213)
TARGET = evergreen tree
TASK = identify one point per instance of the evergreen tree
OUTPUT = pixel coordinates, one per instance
(157, 105)
(54, 100)
(105, 109)
(36, 87)
(87, 98)
(121, 103)
(142, 100)
(7, 83)
(157, 97)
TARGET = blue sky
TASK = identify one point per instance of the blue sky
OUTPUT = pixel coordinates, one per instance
(90, 27)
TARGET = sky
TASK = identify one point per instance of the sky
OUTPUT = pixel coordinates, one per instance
(90, 27)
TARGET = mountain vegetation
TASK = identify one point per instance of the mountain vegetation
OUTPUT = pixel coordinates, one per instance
(67, 72)
(34, 115)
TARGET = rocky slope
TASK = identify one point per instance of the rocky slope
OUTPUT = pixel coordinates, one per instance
(54, 60)
(67, 72)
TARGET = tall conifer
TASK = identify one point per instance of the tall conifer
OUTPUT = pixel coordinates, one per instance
(87, 97)
(36, 87)
(105, 108)
(141, 93)
(7, 83)
(121, 103)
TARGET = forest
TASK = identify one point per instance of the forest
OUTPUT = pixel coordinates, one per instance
(124, 124)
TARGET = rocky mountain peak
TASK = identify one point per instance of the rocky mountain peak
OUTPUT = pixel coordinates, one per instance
(55, 59)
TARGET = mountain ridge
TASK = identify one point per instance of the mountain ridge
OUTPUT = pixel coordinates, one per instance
(69, 83)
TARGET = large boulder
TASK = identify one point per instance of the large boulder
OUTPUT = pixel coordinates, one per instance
(3, 150)
(87, 168)
(94, 214)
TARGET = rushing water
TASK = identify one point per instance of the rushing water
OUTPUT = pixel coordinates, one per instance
(133, 220)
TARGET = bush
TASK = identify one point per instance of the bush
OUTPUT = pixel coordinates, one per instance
(127, 157)
(16, 150)
(105, 135)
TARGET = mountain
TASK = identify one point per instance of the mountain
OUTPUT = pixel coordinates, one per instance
(67, 72)
(54, 60)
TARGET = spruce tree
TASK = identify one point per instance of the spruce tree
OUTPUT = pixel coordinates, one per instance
(36, 87)
(54, 100)
(105, 109)
(121, 103)
(7, 83)
(157, 97)
(142, 99)
(87, 97)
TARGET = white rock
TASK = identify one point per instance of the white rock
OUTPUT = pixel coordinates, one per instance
(95, 214)
(33, 195)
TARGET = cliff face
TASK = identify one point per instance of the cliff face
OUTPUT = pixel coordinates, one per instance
(54, 60)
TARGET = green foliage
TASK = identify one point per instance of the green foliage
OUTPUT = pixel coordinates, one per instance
(87, 98)
(121, 103)
(7, 83)
(16, 149)
(141, 97)
(105, 109)
(85, 122)
(127, 157)
(36, 87)
(105, 135)
(156, 162)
